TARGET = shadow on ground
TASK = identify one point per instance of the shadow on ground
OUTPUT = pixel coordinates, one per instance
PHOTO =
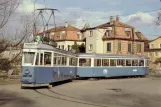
(119, 98)
(10, 99)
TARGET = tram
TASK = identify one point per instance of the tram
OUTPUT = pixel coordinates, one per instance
(43, 64)
(101, 65)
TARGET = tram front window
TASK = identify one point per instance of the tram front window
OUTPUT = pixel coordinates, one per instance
(29, 58)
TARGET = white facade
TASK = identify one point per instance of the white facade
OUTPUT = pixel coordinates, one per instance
(94, 40)
(67, 45)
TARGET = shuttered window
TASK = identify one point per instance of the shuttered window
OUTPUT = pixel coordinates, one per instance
(138, 47)
(119, 46)
(108, 47)
(129, 47)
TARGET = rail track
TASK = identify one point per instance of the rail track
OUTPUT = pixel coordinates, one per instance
(69, 100)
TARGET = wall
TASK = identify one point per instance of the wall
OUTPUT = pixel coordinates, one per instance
(156, 43)
(105, 47)
(124, 46)
(95, 40)
(66, 43)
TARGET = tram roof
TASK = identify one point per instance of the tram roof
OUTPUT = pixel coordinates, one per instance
(42, 46)
(110, 56)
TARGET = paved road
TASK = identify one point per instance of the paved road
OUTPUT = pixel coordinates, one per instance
(138, 92)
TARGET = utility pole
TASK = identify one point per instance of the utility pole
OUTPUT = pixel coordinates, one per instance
(45, 20)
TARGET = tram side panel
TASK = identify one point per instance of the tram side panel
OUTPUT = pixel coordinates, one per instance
(44, 75)
(53, 74)
(108, 72)
(111, 71)
(85, 71)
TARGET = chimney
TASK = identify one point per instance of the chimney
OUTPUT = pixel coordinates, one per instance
(117, 18)
(111, 20)
(66, 24)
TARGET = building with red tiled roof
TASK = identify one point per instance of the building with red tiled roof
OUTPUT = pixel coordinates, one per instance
(65, 36)
(114, 37)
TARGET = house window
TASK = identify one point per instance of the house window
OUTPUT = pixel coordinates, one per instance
(149, 54)
(139, 35)
(119, 46)
(90, 47)
(107, 33)
(68, 47)
(129, 47)
(91, 33)
(62, 47)
(156, 53)
(108, 47)
(138, 47)
(152, 45)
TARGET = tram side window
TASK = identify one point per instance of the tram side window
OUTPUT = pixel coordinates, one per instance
(120, 62)
(64, 60)
(141, 62)
(47, 58)
(97, 62)
(41, 59)
(105, 62)
(58, 59)
(37, 59)
(72, 61)
(84, 62)
(135, 63)
(112, 62)
(55, 59)
(128, 62)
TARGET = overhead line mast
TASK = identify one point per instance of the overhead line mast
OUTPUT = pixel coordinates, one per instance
(45, 20)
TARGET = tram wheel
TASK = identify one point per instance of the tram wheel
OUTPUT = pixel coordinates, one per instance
(22, 87)
(50, 86)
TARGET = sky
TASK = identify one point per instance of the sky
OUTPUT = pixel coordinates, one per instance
(141, 14)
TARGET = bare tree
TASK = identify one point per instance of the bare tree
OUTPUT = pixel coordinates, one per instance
(7, 9)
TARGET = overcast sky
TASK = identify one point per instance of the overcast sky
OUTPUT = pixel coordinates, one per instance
(141, 14)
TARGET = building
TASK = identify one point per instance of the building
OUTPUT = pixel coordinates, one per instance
(65, 36)
(154, 52)
(114, 37)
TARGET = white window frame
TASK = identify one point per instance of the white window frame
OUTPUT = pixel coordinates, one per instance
(152, 46)
(111, 47)
(90, 48)
(156, 54)
(90, 33)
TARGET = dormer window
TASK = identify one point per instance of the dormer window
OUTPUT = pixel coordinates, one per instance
(127, 30)
(107, 33)
(139, 35)
(79, 35)
(52, 35)
(61, 34)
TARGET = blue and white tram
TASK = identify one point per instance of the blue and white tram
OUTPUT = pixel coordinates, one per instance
(43, 64)
(98, 65)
